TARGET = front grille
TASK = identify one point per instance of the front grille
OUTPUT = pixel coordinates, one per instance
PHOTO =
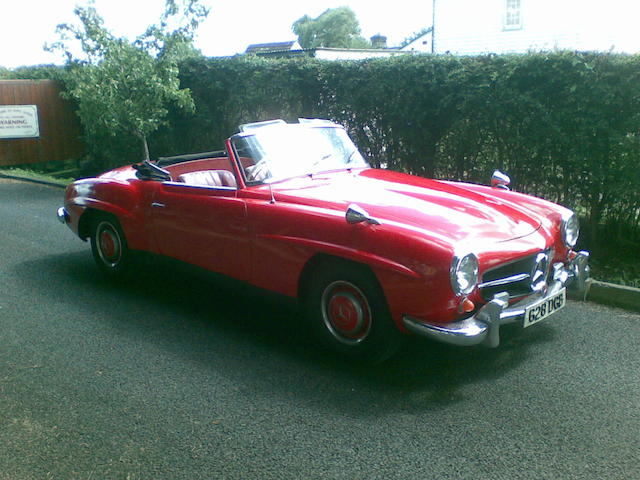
(518, 278)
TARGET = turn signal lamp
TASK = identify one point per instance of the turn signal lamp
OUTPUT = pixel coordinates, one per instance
(466, 306)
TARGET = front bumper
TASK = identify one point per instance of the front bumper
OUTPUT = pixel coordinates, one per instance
(484, 326)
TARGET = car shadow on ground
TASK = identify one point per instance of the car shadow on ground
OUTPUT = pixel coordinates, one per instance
(223, 323)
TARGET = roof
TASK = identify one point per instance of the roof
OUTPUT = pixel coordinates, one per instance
(326, 53)
(273, 47)
(416, 37)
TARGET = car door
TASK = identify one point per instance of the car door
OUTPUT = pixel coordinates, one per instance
(202, 225)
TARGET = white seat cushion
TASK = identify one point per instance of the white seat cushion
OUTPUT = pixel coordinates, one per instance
(210, 178)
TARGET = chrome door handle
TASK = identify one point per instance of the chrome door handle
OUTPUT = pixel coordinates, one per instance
(158, 205)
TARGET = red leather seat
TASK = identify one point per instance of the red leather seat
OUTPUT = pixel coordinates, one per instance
(209, 178)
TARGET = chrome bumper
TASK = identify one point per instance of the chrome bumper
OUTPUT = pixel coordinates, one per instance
(63, 216)
(484, 326)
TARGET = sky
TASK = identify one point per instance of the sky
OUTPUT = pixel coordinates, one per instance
(232, 25)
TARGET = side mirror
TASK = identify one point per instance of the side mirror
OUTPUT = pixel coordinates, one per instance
(500, 180)
(356, 214)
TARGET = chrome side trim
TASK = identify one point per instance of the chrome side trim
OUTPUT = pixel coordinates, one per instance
(483, 328)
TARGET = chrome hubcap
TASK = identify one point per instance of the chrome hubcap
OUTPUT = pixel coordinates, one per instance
(346, 312)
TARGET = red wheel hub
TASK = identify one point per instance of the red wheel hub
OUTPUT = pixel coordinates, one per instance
(346, 312)
(108, 244)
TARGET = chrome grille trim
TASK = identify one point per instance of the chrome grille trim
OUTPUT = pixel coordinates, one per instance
(518, 277)
(505, 281)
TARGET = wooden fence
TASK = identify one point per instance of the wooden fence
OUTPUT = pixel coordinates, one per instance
(59, 136)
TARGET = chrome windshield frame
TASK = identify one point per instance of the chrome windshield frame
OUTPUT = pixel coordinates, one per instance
(304, 159)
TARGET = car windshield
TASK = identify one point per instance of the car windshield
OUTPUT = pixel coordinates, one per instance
(276, 152)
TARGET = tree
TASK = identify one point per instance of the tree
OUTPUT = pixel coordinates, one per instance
(335, 27)
(124, 87)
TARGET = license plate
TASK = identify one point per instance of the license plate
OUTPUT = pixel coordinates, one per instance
(542, 309)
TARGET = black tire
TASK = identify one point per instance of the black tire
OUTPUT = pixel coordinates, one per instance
(109, 246)
(348, 313)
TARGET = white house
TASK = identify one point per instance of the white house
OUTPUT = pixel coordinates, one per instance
(421, 42)
(471, 27)
(292, 48)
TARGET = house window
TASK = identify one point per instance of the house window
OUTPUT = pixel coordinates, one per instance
(513, 15)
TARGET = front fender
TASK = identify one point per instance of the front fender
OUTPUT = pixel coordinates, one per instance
(122, 199)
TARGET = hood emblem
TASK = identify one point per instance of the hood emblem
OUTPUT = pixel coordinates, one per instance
(539, 272)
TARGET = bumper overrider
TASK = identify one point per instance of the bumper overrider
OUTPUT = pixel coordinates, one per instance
(484, 326)
(63, 215)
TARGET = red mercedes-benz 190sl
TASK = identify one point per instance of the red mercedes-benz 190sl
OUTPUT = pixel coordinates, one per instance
(370, 254)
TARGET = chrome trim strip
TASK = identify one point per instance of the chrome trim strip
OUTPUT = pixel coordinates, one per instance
(484, 327)
(505, 281)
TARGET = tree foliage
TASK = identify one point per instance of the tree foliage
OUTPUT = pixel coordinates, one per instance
(124, 88)
(33, 72)
(335, 27)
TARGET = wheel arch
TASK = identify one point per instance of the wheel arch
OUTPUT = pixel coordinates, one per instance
(90, 216)
(321, 260)
(372, 340)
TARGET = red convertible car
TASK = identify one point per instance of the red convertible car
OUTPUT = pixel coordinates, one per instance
(371, 254)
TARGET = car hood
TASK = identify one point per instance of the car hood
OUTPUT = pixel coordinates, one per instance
(445, 210)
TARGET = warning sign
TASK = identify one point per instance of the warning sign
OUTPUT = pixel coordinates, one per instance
(19, 121)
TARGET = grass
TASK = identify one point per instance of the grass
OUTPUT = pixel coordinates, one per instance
(614, 253)
(622, 268)
(30, 174)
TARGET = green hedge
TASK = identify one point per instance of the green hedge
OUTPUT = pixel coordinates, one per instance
(563, 125)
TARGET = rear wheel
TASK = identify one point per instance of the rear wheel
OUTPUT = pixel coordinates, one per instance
(349, 313)
(109, 245)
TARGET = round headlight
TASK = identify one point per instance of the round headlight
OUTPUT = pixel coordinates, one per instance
(464, 274)
(570, 229)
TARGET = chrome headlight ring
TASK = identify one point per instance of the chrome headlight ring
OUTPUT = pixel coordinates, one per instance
(570, 229)
(464, 273)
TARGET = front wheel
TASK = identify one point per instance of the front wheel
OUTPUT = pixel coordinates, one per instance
(109, 246)
(348, 312)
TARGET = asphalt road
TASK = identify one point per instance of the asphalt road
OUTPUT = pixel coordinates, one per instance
(177, 374)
